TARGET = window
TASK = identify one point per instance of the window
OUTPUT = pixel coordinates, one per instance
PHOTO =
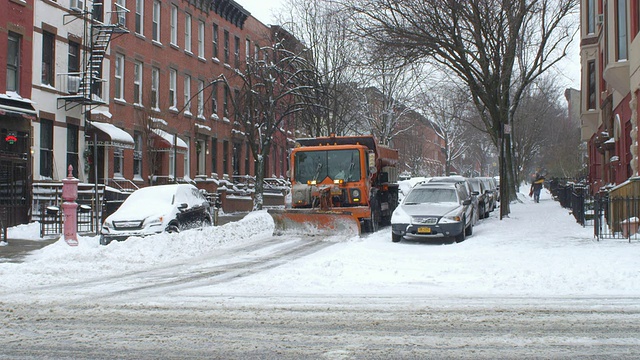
(226, 47)
(591, 85)
(118, 160)
(200, 155)
(214, 155)
(225, 104)
(215, 41)
(121, 9)
(225, 157)
(235, 158)
(97, 11)
(73, 61)
(187, 95)
(621, 30)
(72, 148)
(137, 83)
(214, 100)
(173, 101)
(174, 24)
(256, 51)
(139, 16)
(137, 155)
(119, 76)
(187, 32)
(187, 158)
(46, 148)
(236, 54)
(156, 21)
(155, 75)
(247, 49)
(48, 58)
(13, 62)
(200, 99)
(591, 16)
(201, 39)
(172, 165)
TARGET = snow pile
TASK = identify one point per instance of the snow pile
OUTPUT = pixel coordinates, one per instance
(538, 251)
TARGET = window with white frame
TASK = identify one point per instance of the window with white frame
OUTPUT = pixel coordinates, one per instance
(201, 149)
(215, 41)
(256, 50)
(622, 45)
(137, 83)
(187, 158)
(121, 12)
(201, 99)
(137, 155)
(187, 95)
(156, 21)
(174, 24)
(236, 53)
(13, 62)
(118, 161)
(172, 165)
(139, 16)
(173, 101)
(226, 47)
(201, 39)
(119, 76)
(187, 32)
(247, 49)
(155, 79)
(214, 100)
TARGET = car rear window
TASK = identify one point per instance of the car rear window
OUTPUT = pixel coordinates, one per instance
(428, 195)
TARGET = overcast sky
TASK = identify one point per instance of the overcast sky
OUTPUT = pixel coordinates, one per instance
(568, 70)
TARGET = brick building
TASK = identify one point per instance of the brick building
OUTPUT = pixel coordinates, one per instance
(16, 109)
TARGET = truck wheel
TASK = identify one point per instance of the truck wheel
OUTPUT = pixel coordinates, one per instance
(374, 220)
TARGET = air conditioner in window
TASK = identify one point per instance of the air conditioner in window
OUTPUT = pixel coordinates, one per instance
(73, 84)
(599, 19)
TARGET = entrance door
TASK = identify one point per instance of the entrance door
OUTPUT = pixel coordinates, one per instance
(15, 197)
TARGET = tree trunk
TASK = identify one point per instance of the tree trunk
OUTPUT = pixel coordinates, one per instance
(258, 200)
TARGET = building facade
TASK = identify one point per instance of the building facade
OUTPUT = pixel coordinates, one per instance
(16, 109)
(610, 84)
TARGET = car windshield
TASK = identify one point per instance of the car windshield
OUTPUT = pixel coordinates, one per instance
(335, 164)
(427, 195)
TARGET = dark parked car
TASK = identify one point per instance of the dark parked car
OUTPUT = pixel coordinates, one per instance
(492, 191)
(433, 210)
(155, 209)
(484, 201)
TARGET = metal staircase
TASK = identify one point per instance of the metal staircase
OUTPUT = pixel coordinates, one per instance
(85, 88)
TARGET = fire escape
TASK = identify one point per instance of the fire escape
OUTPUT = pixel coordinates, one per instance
(84, 88)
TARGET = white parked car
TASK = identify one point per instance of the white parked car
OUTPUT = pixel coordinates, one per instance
(433, 210)
(155, 209)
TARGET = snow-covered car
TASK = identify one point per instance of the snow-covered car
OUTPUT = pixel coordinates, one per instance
(433, 210)
(473, 195)
(155, 209)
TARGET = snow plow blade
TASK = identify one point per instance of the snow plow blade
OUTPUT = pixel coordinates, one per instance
(314, 222)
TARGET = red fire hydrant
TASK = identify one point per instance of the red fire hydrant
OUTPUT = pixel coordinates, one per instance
(70, 208)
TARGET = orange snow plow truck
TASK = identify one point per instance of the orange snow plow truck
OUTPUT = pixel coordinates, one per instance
(339, 184)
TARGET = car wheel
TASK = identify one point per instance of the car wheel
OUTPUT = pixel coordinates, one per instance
(460, 237)
(173, 228)
(395, 238)
(469, 230)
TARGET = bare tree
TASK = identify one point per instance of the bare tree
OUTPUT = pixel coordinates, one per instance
(274, 86)
(326, 34)
(445, 106)
(497, 48)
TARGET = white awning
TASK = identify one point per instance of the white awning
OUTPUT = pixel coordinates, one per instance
(167, 139)
(13, 103)
(116, 136)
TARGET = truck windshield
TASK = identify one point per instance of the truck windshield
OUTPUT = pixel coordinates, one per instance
(335, 164)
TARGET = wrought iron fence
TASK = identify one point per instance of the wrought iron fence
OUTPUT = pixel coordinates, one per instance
(616, 217)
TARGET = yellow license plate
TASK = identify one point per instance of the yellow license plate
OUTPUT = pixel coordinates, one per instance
(424, 230)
